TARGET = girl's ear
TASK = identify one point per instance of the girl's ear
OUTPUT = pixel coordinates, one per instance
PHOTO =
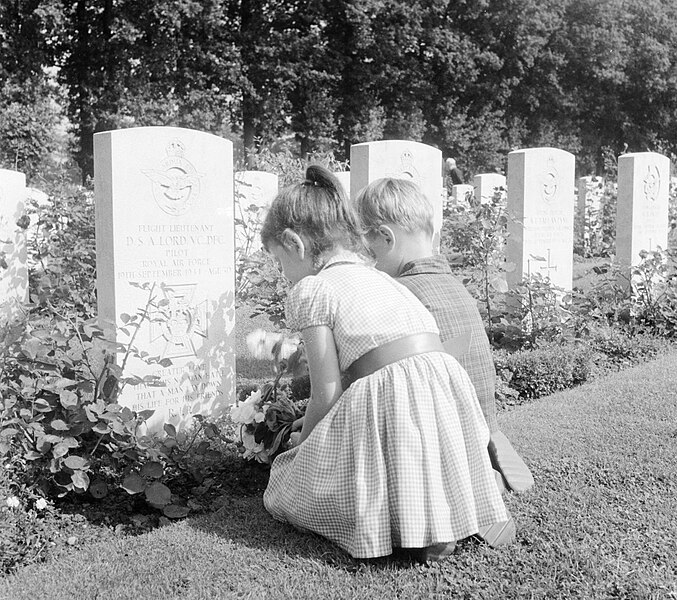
(293, 242)
(387, 234)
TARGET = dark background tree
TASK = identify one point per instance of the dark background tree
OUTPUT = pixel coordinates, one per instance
(476, 78)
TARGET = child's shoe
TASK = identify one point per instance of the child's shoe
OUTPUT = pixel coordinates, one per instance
(499, 534)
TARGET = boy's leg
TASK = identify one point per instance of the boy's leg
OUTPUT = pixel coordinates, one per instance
(508, 463)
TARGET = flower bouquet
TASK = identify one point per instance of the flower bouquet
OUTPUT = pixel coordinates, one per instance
(268, 414)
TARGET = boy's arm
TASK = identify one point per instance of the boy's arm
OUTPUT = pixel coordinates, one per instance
(325, 375)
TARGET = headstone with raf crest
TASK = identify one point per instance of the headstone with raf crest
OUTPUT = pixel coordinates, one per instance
(164, 229)
(399, 159)
(642, 210)
(540, 210)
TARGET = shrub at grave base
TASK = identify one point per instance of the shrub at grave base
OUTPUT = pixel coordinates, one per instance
(60, 421)
(545, 370)
(263, 287)
(615, 348)
(25, 522)
(654, 292)
(62, 252)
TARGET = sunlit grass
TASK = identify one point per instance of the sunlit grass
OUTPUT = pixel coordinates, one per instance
(600, 523)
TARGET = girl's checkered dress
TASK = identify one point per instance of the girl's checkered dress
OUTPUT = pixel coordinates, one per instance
(401, 459)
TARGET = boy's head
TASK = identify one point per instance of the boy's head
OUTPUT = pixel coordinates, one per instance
(398, 220)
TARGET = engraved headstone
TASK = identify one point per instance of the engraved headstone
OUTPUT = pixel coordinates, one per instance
(642, 212)
(541, 209)
(13, 267)
(344, 178)
(402, 160)
(672, 203)
(164, 217)
(254, 191)
(461, 194)
(589, 214)
(486, 185)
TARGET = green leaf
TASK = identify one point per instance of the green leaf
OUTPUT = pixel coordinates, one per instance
(60, 450)
(80, 480)
(101, 428)
(77, 463)
(134, 484)
(41, 405)
(98, 489)
(170, 430)
(145, 414)
(152, 469)
(9, 432)
(174, 511)
(68, 399)
(158, 494)
(59, 425)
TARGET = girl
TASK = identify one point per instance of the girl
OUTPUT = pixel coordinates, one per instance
(392, 452)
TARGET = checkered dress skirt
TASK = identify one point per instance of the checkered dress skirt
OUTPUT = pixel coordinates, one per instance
(400, 459)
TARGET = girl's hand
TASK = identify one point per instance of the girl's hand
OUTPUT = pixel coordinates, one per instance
(295, 439)
(297, 425)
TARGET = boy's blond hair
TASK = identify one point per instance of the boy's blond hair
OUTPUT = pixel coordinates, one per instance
(397, 201)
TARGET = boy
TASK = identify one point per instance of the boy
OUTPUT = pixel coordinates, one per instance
(399, 221)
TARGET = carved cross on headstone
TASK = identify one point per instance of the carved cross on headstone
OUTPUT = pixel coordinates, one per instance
(549, 267)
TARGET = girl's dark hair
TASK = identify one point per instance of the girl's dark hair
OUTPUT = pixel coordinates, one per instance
(317, 208)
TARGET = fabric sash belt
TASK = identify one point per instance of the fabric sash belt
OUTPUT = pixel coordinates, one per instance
(391, 352)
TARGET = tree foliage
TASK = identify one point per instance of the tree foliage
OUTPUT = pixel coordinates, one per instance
(475, 78)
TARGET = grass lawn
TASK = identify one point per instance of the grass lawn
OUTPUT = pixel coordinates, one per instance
(601, 522)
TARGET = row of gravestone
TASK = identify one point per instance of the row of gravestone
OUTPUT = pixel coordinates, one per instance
(165, 215)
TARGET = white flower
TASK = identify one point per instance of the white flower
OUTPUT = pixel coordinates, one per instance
(288, 347)
(245, 412)
(254, 397)
(41, 504)
(13, 502)
(252, 449)
(260, 343)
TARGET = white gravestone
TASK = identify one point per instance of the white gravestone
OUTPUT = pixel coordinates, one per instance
(461, 195)
(541, 215)
(485, 185)
(254, 191)
(13, 266)
(399, 159)
(589, 213)
(642, 212)
(672, 225)
(164, 216)
(344, 179)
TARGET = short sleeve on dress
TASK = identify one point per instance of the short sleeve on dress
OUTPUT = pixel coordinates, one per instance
(310, 303)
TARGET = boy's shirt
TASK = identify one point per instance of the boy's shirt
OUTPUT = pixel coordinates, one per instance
(455, 310)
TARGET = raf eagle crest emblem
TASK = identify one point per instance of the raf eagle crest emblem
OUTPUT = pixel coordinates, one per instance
(176, 184)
